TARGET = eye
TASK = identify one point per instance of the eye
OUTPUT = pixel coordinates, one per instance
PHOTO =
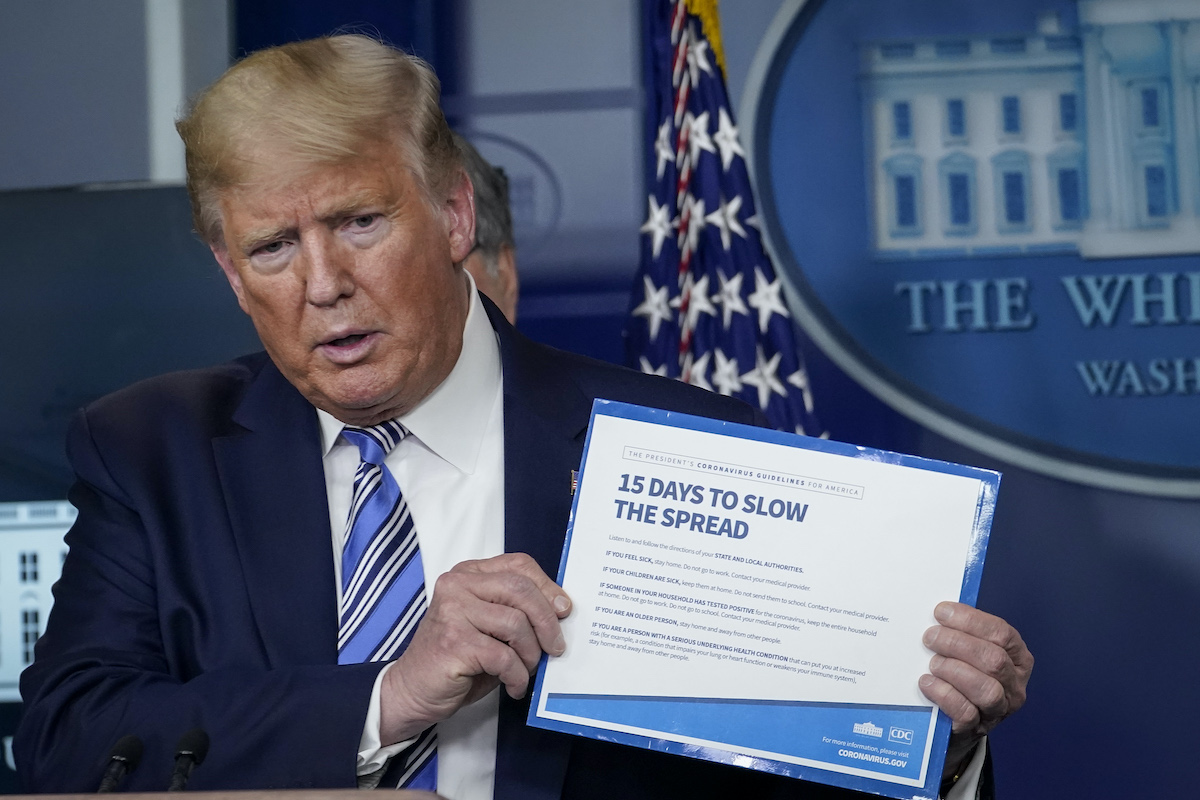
(272, 255)
(364, 230)
(269, 249)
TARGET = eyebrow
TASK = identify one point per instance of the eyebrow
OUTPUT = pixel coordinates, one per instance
(346, 207)
(353, 204)
(252, 239)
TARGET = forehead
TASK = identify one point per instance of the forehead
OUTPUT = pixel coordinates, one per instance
(279, 187)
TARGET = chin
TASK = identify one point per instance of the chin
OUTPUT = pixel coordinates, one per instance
(372, 407)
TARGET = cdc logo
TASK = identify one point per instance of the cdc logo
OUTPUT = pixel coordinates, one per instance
(901, 735)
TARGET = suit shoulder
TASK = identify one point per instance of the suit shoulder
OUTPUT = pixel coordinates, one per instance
(600, 379)
(197, 397)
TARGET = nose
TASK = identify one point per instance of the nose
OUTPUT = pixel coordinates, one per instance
(329, 277)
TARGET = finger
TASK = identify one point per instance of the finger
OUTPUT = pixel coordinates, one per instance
(451, 662)
(987, 644)
(988, 627)
(509, 626)
(523, 564)
(981, 671)
(993, 699)
(982, 654)
(487, 655)
(497, 658)
(963, 714)
(509, 590)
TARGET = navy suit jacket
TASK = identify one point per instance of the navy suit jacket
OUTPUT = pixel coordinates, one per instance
(199, 589)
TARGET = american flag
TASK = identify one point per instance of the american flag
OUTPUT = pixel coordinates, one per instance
(707, 306)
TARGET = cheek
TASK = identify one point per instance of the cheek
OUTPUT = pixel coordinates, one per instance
(275, 316)
(273, 295)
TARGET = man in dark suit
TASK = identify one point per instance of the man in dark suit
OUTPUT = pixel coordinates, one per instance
(207, 569)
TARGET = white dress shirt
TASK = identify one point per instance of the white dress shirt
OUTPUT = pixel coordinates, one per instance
(451, 470)
(967, 787)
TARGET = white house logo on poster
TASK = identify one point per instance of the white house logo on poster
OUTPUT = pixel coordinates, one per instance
(868, 729)
(990, 214)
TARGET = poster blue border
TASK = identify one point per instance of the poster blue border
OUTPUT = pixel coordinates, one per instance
(972, 575)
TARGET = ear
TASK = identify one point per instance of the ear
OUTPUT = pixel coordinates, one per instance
(459, 209)
(510, 283)
(221, 254)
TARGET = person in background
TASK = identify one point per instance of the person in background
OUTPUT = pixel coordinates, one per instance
(493, 259)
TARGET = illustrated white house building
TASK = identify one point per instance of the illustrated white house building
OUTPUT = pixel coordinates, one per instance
(1084, 140)
(31, 556)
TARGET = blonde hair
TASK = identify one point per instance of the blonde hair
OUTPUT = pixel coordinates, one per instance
(316, 102)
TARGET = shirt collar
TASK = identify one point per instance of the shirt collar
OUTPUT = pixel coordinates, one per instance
(452, 419)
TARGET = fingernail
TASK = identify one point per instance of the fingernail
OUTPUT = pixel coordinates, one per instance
(562, 603)
(929, 637)
(559, 646)
(944, 612)
(925, 681)
(936, 662)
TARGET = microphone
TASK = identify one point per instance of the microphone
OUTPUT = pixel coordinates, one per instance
(124, 758)
(189, 753)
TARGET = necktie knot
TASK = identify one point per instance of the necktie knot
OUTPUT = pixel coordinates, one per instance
(375, 442)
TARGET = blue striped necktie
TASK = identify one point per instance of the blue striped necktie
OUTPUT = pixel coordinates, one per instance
(383, 582)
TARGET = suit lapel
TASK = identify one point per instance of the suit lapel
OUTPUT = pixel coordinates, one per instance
(274, 486)
(545, 417)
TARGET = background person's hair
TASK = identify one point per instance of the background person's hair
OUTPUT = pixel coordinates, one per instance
(493, 217)
(311, 103)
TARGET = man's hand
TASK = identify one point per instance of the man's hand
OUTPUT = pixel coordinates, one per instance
(979, 672)
(488, 623)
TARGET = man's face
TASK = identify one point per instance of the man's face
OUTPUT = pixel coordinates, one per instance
(350, 278)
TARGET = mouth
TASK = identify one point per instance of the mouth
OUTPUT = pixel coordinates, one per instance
(349, 348)
(347, 341)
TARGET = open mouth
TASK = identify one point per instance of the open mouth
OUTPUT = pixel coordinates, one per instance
(346, 341)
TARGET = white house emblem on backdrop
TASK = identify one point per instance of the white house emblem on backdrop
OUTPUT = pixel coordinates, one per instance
(989, 215)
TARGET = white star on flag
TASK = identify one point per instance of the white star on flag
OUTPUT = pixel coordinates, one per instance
(655, 307)
(698, 138)
(726, 220)
(799, 379)
(650, 369)
(697, 59)
(725, 374)
(658, 224)
(730, 297)
(763, 378)
(726, 138)
(695, 368)
(766, 299)
(663, 149)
